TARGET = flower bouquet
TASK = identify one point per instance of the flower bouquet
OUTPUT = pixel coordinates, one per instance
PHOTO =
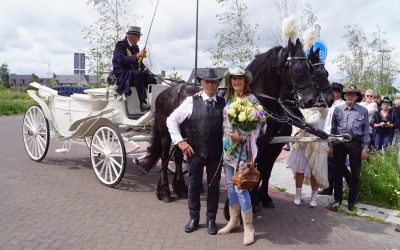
(244, 116)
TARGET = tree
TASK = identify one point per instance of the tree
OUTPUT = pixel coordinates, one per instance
(104, 33)
(5, 75)
(366, 66)
(34, 78)
(283, 9)
(237, 40)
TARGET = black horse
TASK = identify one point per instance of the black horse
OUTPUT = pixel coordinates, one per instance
(268, 153)
(277, 73)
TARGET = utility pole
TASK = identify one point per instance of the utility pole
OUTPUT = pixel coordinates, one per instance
(381, 83)
(97, 64)
(197, 34)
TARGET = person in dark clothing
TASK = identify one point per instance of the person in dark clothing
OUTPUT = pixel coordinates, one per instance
(349, 118)
(129, 69)
(337, 89)
(385, 121)
(204, 115)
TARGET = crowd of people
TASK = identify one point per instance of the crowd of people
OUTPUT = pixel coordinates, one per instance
(372, 122)
(210, 135)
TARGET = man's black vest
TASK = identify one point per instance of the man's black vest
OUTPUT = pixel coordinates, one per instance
(204, 130)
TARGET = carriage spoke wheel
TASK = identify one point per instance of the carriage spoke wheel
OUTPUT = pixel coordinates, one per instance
(107, 152)
(36, 133)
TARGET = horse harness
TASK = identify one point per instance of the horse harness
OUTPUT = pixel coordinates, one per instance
(295, 89)
(321, 101)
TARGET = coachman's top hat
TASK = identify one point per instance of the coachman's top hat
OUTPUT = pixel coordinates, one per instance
(209, 75)
(134, 30)
(352, 89)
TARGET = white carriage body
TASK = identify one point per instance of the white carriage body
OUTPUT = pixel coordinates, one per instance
(79, 115)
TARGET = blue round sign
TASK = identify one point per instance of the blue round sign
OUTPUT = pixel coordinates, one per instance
(323, 50)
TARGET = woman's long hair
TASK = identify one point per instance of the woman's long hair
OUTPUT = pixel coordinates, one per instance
(230, 92)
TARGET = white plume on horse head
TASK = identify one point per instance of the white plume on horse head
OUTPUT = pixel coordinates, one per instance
(309, 37)
(289, 28)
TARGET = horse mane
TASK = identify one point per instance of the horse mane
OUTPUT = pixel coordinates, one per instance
(264, 64)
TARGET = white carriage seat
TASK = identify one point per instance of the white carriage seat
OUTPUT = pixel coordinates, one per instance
(70, 90)
(100, 92)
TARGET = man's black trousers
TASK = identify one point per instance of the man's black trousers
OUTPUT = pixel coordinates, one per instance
(340, 150)
(196, 168)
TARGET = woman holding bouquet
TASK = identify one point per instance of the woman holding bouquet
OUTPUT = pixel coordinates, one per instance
(242, 118)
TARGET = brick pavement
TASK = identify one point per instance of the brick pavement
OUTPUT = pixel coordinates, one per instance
(59, 204)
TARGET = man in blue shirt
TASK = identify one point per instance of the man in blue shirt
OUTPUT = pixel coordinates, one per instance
(350, 118)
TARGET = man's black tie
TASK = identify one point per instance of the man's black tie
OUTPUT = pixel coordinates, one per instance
(209, 104)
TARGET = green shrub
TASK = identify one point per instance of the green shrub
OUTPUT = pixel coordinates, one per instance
(380, 179)
(14, 102)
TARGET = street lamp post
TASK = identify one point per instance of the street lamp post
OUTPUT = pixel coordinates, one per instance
(381, 83)
(97, 65)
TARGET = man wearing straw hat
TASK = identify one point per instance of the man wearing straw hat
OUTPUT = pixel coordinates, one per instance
(349, 118)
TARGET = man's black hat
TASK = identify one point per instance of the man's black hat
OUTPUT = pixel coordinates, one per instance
(209, 75)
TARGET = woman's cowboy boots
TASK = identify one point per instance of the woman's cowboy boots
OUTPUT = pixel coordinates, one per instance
(234, 221)
(249, 232)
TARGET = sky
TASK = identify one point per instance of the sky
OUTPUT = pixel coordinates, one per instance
(41, 36)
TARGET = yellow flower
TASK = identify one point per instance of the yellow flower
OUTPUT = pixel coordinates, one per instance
(242, 116)
(231, 111)
(259, 107)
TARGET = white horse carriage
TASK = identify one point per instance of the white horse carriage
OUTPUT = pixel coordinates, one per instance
(98, 116)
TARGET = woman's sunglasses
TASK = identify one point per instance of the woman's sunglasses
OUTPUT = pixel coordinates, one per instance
(368, 96)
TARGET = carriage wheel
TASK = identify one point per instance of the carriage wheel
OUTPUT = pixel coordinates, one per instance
(36, 133)
(108, 155)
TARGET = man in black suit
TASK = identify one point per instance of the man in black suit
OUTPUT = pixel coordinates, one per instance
(203, 146)
(129, 69)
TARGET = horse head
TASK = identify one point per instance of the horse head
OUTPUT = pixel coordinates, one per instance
(296, 73)
(323, 90)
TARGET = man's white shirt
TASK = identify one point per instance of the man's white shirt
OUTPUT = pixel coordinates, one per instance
(328, 121)
(180, 114)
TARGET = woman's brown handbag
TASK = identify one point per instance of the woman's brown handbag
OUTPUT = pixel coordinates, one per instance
(249, 177)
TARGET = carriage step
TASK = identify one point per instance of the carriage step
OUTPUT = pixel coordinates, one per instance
(66, 147)
(62, 150)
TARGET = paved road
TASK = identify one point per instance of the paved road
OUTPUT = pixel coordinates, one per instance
(59, 204)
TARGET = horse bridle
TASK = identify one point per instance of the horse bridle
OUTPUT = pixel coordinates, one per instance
(295, 89)
(321, 100)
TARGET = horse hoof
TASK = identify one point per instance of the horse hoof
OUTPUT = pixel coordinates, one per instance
(166, 199)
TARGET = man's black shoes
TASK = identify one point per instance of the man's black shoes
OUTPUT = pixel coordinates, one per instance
(212, 227)
(144, 107)
(351, 207)
(192, 225)
(326, 191)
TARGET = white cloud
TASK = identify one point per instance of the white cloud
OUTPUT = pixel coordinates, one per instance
(42, 32)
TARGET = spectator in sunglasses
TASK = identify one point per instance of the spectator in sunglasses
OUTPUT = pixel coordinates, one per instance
(369, 103)
(372, 107)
